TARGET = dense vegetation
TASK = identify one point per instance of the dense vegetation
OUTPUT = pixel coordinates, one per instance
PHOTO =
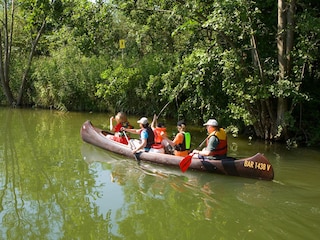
(253, 65)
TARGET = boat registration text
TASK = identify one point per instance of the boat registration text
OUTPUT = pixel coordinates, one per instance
(257, 165)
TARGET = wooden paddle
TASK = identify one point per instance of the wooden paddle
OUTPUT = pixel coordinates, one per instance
(131, 146)
(186, 161)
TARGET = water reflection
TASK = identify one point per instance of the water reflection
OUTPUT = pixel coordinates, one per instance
(42, 185)
(54, 186)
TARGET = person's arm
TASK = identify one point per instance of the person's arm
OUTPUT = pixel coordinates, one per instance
(141, 146)
(203, 152)
(154, 122)
(131, 130)
(212, 144)
(168, 140)
(177, 140)
(144, 139)
(111, 124)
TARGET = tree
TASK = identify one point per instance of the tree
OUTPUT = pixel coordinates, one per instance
(5, 47)
(233, 60)
(34, 16)
(285, 41)
(231, 48)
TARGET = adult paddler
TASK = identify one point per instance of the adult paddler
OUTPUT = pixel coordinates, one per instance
(216, 141)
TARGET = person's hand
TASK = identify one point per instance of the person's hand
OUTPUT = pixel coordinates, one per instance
(112, 118)
(123, 129)
(134, 151)
(196, 151)
(155, 117)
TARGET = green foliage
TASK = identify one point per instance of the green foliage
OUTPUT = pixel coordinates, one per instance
(207, 58)
(196, 86)
(118, 88)
(67, 81)
(135, 89)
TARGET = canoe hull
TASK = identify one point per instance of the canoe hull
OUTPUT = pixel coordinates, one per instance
(257, 166)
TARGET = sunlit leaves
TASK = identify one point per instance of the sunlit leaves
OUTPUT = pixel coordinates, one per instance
(35, 12)
(240, 112)
(209, 57)
(116, 85)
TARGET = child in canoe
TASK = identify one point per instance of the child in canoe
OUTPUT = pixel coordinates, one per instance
(121, 122)
(160, 144)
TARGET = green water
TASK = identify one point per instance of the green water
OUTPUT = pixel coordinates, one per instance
(54, 186)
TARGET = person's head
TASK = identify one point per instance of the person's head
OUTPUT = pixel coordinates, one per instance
(121, 117)
(144, 122)
(181, 125)
(211, 125)
(160, 125)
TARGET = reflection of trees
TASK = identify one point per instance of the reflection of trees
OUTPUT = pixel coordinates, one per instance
(47, 190)
(156, 204)
(42, 184)
(161, 202)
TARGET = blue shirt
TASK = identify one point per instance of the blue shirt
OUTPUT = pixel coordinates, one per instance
(144, 135)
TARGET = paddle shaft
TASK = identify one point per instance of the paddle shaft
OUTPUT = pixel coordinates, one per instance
(186, 161)
(163, 109)
(168, 103)
(131, 146)
(203, 142)
(128, 140)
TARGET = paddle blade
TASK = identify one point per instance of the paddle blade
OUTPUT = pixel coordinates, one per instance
(185, 163)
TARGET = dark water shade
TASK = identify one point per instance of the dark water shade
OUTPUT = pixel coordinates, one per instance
(54, 186)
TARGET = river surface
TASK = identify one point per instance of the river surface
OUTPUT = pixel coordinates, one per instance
(55, 186)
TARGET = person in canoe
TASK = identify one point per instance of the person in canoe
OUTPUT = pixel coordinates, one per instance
(160, 144)
(146, 135)
(216, 141)
(121, 121)
(182, 140)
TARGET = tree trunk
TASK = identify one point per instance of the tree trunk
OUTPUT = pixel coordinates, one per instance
(290, 33)
(5, 51)
(25, 74)
(281, 39)
(284, 44)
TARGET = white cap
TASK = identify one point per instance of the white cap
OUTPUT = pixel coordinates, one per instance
(211, 122)
(143, 120)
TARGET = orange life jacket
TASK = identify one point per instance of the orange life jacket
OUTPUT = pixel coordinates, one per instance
(157, 134)
(222, 147)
